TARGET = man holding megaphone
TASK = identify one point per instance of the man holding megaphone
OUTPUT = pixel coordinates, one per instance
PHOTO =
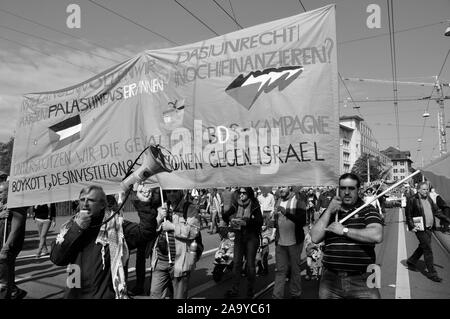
(95, 251)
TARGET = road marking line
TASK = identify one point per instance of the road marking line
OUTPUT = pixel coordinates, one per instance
(402, 289)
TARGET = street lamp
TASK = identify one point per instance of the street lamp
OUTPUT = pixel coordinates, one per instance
(447, 31)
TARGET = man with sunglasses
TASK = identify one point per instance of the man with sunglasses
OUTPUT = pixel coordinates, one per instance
(95, 249)
(349, 247)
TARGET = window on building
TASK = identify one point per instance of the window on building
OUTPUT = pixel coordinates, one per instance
(395, 170)
(395, 178)
(402, 170)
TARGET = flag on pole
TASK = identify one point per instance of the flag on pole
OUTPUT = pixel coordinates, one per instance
(438, 174)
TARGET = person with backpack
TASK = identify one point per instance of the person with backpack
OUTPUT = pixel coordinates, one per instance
(178, 246)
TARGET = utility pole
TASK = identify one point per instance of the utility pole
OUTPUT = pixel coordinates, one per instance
(441, 119)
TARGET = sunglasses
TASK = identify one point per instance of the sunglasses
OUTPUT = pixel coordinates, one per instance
(344, 188)
(243, 193)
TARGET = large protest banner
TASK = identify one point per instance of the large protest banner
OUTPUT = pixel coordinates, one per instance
(254, 107)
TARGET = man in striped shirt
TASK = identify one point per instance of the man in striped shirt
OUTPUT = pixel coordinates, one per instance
(349, 247)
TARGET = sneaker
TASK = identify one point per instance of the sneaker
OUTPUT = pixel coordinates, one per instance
(434, 277)
(39, 253)
(411, 265)
(18, 293)
(44, 251)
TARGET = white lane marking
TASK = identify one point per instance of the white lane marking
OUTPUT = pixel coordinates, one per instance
(402, 290)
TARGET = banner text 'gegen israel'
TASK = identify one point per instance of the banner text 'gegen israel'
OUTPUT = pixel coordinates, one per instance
(255, 107)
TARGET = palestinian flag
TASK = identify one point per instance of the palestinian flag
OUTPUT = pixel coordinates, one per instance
(65, 132)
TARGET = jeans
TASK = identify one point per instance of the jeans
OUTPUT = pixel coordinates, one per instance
(43, 226)
(310, 216)
(287, 257)
(424, 249)
(245, 244)
(341, 285)
(140, 267)
(164, 284)
(443, 222)
(10, 250)
(214, 217)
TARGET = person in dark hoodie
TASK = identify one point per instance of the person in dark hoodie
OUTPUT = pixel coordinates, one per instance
(245, 218)
(98, 250)
(147, 198)
(289, 219)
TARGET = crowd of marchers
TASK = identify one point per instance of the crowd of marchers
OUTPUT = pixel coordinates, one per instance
(247, 220)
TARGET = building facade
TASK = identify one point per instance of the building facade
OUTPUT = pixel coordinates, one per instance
(356, 138)
(401, 162)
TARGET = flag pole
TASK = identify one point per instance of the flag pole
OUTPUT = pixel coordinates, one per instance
(378, 196)
(167, 235)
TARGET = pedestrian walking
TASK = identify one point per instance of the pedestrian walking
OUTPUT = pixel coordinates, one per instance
(349, 247)
(289, 219)
(420, 213)
(44, 216)
(245, 219)
(12, 231)
(178, 246)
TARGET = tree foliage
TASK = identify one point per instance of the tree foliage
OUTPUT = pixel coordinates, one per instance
(6, 150)
(360, 167)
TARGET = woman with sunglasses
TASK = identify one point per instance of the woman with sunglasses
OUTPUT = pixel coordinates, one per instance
(245, 219)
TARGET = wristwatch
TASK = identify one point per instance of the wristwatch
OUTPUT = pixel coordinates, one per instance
(345, 231)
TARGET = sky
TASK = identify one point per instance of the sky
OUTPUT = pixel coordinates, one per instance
(39, 52)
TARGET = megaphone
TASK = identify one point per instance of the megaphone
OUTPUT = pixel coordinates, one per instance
(154, 162)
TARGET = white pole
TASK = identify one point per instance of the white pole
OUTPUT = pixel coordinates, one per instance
(376, 197)
(4, 232)
(167, 235)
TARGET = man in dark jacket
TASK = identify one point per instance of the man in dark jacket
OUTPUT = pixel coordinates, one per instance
(12, 234)
(96, 250)
(289, 219)
(245, 219)
(420, 209)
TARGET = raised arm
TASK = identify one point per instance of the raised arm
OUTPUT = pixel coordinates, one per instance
(319, 228)
(65, 247)
(144, 231)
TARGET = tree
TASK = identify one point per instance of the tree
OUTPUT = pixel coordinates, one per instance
(6, 150)
(360, 167)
